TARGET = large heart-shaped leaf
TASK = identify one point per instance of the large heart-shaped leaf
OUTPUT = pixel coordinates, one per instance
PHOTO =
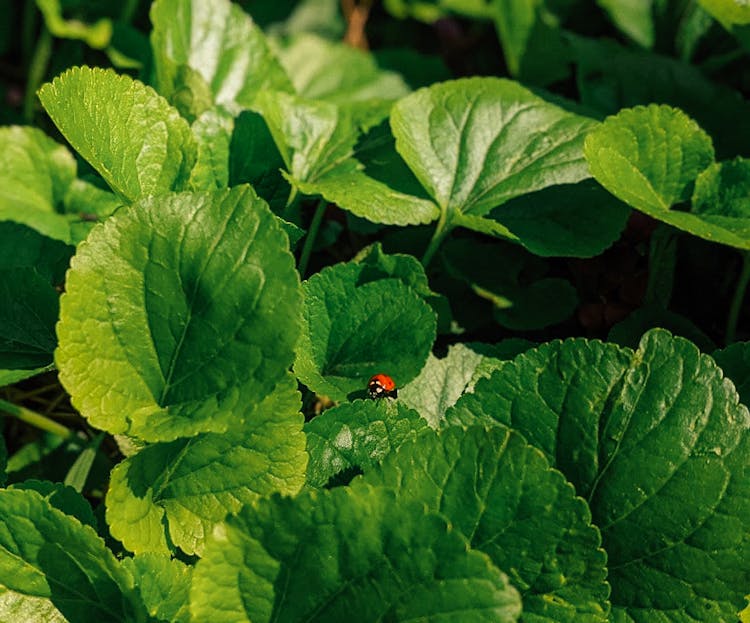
(174, 493)
(180, 314)
(657, 443)
(475, 143)
(502, 495)
(359, 322)
(325, 555)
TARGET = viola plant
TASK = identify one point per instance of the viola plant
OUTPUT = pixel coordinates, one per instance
(294, 332)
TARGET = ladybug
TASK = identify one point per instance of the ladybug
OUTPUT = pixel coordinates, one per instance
(380, 386)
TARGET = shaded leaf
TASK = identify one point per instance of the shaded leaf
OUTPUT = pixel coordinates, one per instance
(357, 326)
(52, 561)
(329, 554)
(657, 443)
(502, 495)
(357, 435)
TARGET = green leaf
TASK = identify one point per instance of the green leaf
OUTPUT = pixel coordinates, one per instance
(657, 443)
(181, 313)
(406, 268)
(650, 158)
(9, 377)
(3, 453)
(79, 472)
(27, 319)
(375, 183)
(512, 280)
(441, 382)
(30, 264)
(174, 493)
(533, 46)
(18, 607)
(350, 188)
(255, 160)
(216, 43)
(722, 199)
(357, 326)
(341, 552)
(611, 77)
(213, 135)
(629, 332)
(35, 174)
(163, 585)
(514, 21)
(233, 580)
(134, 139)
(49, 560)
(478, 142)
(632, 17)
(728, 12)
(356, 435)
(502, 495)
(290, 17)
(62, 497)
(311, 136)
(23, 247)
(734, 360)
(334, 72)
(570, 220)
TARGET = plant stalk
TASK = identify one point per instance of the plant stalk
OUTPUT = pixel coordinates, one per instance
(441, 231)
(35, 419)
(739, 297)
(312, 234)
(37, 71)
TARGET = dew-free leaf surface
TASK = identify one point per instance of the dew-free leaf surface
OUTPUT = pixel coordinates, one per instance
(134, 139)
(180, 314)
(356, 326)
(657, 443)
(174, 493)
(475, 143)
(210, 52)
(56, 566)
(332, 553)
(35, 174)
(656, 157)
(503, 496)
(356, 435)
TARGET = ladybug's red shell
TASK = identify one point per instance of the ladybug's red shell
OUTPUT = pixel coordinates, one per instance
(381, 386)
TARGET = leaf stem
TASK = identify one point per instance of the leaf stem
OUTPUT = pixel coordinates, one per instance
(312, 233)
(35, 419)
(441, 231)
(37, 71)
(739, 297)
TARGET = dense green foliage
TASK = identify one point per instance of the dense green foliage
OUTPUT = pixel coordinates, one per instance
(218, 221)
